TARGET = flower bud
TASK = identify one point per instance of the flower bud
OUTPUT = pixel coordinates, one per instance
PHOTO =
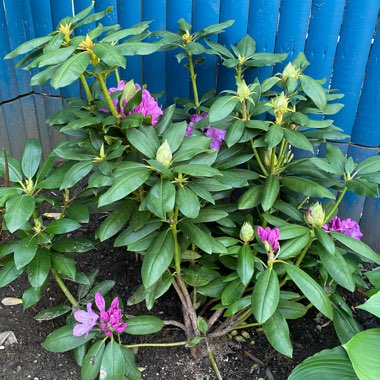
(315, 215)
(290, 71)
(246, 232)
(164, 154)
(280, 104)
(243, 91)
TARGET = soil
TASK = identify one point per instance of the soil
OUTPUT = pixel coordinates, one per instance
(236, 359)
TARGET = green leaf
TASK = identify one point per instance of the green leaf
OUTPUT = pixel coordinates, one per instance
(131, 370)
(30, 297)
(307, 187)
(209, 215)
(265, 59)
(232, 292)
(363, 351)
(197, 170)
(246, 264)
(175, 134)
(345, 326)
(9, 273)
(72, 245)
(265, 295)
(199, 276)
(52, 312)
(325, 365)
(357, 246)
(190, 147)
(246, 46)
(298, 140)
(70, 70)
(270, 192)
(363, 187)
(15, 173)
(187, 202)
(234, 132)
(202, 325)
(115, 221)
(337, 268)
(79, 353)
(314, 91)
(197, 236)
(277, 332)
(222, 108)
(290, 231)
(311, 289)
(124, 185)
(202, 192)
(75, 174)
(369, 165)
(113, 363)
(102, 287)
(291, 309)
(62, 226)
(38, 268)
(161, 198)
(238, 306)
(251, 198)
(27, 46)
(213, 289)
(82, 14)
(325, 240)
(31, 158)
(62, 340)
(145, 140)
(138, 48)
(78, 211)
(326, 166)
(130, 235)
(372, 305)
(293, 247)
(25, 251)
(158, 258)
(110, 54)
(274, 135)
(63, 265)
(18, 210)
(56, 56)
(144, 325)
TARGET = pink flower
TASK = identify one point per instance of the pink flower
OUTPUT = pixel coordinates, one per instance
(217, 135)
(270, 238)
(87, 321)
(111, 320)
(347, 226)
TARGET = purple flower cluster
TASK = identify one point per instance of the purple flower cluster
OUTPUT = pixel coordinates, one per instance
(147, 107)
(217, 135)
(346, 226)
(110, 321)
(270, 238)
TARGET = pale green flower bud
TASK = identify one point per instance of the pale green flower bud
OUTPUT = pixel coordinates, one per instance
(315, 215)
(246, 232)
(280, 103)
(164, 154)
(290, 71)
(243, 91)
(268, 158)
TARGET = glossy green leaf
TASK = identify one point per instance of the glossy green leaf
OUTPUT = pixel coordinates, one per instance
(138, 48)
(63, 265)
(147, 146)
(369, 165)
(27, 46)
(265, 295)
(56, 56)
(222, 107)
(131, 370)
(345, 326)
(290, 231)
(70, 70)
(144, 325)
(372, 305)
(200, 276)
(113, 364)
(197, 170)
(314, 91)
(363, 187)
(307, 187)
(30, 297)
(274, 135)
(311, 289)
(325, 365)
(293, 247)
(110, 54)
(130, 236)
(25, 251)
(298, 140)
(213, 289)
(38, 268)
(72, 245)
(62, 340)
(357, 246)
(62, 226)
(52, 312)
(18, 210)
(161, 198)
(246, 264)
(251, 198)
(197, 236)
(187, 202)
(270, 192)
(75, 174)
(276, 330)
(9, 273)
(31, 158)
(234, 132)
(325, 240)
(363, 351)
(232, 292)
(291, 309)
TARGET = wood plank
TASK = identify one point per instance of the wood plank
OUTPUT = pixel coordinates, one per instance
(4, 140)
(366, 129)
(43, 128)
(369, 224)
(30, 118)
(177, 84)
(351, 58)
(52, 106)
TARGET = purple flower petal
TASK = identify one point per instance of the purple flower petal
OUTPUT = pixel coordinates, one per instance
(99, 300)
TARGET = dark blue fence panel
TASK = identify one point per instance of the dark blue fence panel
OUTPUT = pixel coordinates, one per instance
(351, 58)
(367, 123)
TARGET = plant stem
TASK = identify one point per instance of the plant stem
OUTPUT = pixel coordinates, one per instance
(213, 362)
(247, 325)
(177, 258)
(272, 160)
(175, 344)
(244, 110)
(63, 287)
(282, 153)
(331, 213)
(259, 160)
(303, 253)
(117, 75)
(193, 77)
(107, 96)
(86, 88)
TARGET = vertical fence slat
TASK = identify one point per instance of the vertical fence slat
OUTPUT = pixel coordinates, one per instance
(4, 140)
(13, 10)
(7, 69)
(154, 65)
(262, 26)
(109, 18)
(15, 126)
(41, 118)
(352, 55)
(59, 10)
(292, 29)
(177, 83)
(367, 123)
(369, 223)
(43, 25)
(30, 119)
(52, 106)
(129, 13)
(324, 27)
(232, 10)
(206, 13)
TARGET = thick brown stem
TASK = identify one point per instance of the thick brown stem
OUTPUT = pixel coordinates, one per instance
(215, 317)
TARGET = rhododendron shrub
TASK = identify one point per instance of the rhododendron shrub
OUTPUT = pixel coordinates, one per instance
(208, 192)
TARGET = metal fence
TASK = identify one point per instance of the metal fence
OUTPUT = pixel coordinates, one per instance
(338, 37)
